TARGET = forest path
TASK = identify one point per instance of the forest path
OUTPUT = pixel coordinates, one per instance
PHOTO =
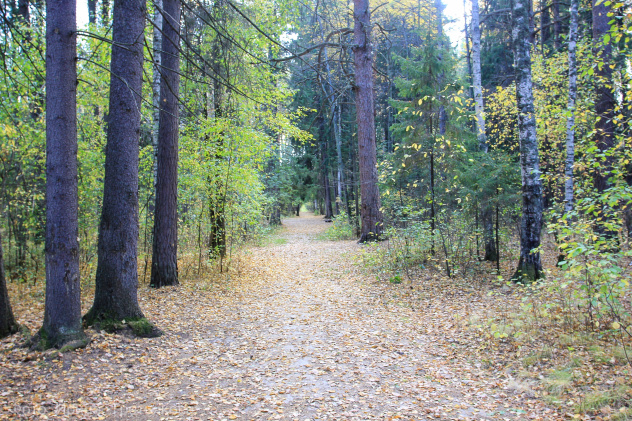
(297, 333)
(301, 338)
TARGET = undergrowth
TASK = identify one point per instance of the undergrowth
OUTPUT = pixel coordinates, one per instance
(339, 229)
(566, 340)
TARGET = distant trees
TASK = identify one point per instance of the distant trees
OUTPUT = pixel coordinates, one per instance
(115, 295)
(62, 312)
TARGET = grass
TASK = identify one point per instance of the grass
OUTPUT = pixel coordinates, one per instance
(558, 381)
(536, 357)
(595, 401)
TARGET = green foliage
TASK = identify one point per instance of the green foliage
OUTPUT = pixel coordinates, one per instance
(340, 229)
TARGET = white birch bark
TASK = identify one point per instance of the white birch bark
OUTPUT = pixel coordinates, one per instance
(572, 97)
(155, 85)
(476, 76)
(530, 266)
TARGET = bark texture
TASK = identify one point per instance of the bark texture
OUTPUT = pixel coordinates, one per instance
(116, 293)
(476, 76)
(8, 325)
(529, 266)
(604, 109)
(155, 84)
(372, 222)
(572, 96)
(164, 266)
(491, 253)
(62, 311)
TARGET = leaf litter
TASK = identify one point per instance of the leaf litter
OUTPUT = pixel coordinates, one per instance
(295, 331)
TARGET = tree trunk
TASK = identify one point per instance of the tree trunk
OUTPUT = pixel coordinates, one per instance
(164, 265)
(557, 25)
(372, 223)
(217, 235)
(476, 74)
(92, 12)
(570, 121)
(329, 212)
(545, 26)
(529, 267)
(433, 216)
(116, 293)
(8, 325)
(105, 12)
(491, 254)
(155, 85)
(604, 110)
(467, 48)
(23, 10)
(62, 311)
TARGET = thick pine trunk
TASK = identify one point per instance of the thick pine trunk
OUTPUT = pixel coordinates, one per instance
(570, 121)
(8, 325)
(529, 267)
(372, 223)
(62, 311)
(116, 293)
(164, 266)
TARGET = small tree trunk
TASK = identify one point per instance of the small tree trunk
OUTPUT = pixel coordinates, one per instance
(433, 217)
(529, 267)
(467, 49)
(545, 26)
(62, 310)
(92, 12)
(23, 10)
(570, 121)
(164, 266)
(372, 223)
(116, 292)
(557, 25)
(8, 324)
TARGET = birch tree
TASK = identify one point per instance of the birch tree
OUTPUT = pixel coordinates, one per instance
(572, 97)
(491, 254)
(529, 266)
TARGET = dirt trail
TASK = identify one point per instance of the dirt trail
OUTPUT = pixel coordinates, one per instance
(301, 335)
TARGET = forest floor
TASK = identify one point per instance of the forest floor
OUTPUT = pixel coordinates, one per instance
(297, 330)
